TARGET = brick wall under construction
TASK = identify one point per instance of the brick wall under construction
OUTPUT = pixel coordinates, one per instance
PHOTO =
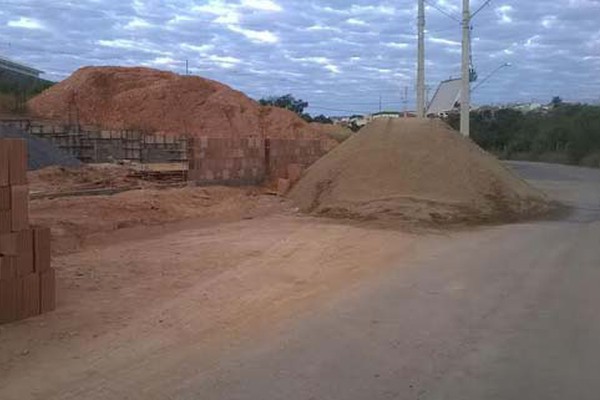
(27, 281)
(250, 160)
(92, 145)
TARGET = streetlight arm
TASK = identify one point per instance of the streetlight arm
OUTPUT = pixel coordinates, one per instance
(484, 5)
(490, 75)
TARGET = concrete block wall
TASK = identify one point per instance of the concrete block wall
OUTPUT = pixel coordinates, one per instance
(27, 281)
(93, 145)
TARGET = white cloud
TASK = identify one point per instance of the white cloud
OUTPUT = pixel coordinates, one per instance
(263, 5)
(396, 45)
(231, 18)
(532, 41)
(230, 15)
(132, 45)
(178, 19)
(323, 61)
(224, 61)
(163, 61)
(202, 49)
(217, 7)
(356, 21)
(255, 36)
(137, 23)
(318, 27)
(448, 5)
(549, 21)
(25, 23)
(118, 44)
(332, 68)
(503, 14)
(357, 10)
(380, 9)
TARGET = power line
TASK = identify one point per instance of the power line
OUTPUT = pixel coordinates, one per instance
(441, 10)
(448, 29)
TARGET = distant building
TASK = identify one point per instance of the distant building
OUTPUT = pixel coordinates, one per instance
(527, 107)
(387, 114)
(359, 120)
(446, 97)
(9, 67)
(340, 120)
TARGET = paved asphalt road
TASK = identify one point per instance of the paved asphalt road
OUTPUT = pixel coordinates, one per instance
(507, 312)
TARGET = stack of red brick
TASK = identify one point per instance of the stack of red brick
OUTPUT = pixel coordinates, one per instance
(250, 160)
(226, 160)
(27, 282)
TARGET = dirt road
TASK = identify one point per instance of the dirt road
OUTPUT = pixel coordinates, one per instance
(284, 307)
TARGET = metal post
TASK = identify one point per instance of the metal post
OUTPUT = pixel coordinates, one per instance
(421, 61)
(465, 94)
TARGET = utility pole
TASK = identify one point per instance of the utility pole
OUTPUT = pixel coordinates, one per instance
(421, 61)
(406, 101)
(465, 93)
(380, 103)
(187, 67)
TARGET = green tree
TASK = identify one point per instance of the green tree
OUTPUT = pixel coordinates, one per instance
(287, 101)
(556, 101)
(322, 119)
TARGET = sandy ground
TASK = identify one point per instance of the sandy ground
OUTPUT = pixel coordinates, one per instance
(225, 303)
(142, 293)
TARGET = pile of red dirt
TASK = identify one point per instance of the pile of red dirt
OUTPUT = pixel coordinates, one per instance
(415, 170)
(149, 100)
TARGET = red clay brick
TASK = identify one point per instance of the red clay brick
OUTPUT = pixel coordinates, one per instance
(4, 198)
(4, 174)
(28, 296)
(283, 185)
(48, 291)
(8, 269)
(19, 207)
(41, 249)
(24, 258)
(8, 244)
(17, 158)
(5, 222)
(8, 300)
(294, 172)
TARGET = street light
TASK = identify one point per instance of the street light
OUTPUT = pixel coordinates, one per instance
(490, 75)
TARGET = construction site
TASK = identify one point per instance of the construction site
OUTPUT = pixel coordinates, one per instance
(149, 222)
(164, 236)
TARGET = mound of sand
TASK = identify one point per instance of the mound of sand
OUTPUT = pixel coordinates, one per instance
(417, 171)
(157, 101)
(336, 132)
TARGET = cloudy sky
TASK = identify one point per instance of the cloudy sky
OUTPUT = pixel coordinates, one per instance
(342, 56)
